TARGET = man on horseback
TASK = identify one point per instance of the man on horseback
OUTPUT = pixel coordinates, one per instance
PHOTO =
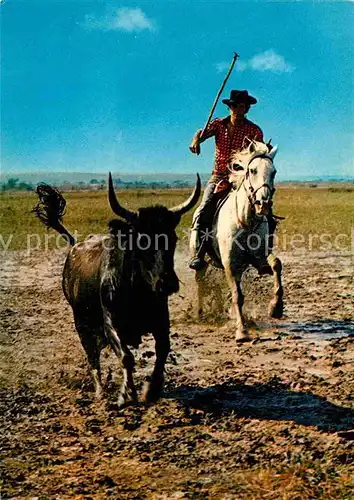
(230, 134)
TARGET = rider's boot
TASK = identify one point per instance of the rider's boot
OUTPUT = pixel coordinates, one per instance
(197, 248)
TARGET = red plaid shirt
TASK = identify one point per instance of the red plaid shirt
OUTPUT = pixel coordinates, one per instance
(226, 145)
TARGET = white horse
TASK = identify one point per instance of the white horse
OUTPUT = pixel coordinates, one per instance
(240, 235)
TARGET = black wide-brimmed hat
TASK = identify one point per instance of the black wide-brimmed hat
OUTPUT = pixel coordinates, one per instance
(237, 96)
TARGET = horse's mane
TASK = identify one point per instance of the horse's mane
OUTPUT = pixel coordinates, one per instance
(254, 148)
(243, 158)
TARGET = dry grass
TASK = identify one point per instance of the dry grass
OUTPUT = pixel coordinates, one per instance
(298, 482)
(317, 215)
(309, 214)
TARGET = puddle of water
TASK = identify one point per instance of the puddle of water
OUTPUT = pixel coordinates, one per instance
(320, 330)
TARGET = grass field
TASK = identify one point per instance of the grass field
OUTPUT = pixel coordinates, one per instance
(267, 420)
(316, 218)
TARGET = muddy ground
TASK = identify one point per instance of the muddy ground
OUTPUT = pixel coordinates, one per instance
(269, 419)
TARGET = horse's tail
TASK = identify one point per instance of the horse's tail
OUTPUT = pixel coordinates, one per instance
(50, 210)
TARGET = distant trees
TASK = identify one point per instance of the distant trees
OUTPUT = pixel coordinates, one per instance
(140, 184)
(97, 184)
(13, 184)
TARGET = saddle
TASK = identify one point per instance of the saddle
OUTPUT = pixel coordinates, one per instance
(209, 244)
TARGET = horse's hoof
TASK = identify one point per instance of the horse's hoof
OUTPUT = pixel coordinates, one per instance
(197, 264)
(242, 337)
(276, 309)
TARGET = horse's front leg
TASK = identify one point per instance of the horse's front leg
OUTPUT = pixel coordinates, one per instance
(200, 283)
(276, 305)
(237, 300)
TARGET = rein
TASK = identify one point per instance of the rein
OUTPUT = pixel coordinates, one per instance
(251, 191)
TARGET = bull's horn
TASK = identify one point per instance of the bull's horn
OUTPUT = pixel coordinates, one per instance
(192, 200)
(115, 205)
(273, 152)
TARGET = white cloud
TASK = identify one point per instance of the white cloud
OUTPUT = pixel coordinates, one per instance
(132, 20)
(123, 19)
(266, 61)
(270, 61)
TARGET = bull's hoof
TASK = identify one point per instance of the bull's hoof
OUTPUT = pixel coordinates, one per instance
(152, 390)
(276, 309)
(97, 385)
(127, 397)
(242, 336)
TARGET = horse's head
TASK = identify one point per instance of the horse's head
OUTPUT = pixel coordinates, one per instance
(253, 169)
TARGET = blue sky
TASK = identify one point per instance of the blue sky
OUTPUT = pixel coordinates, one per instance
(96, 86)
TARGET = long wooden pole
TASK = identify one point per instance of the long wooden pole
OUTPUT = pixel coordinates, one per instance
(218, 94)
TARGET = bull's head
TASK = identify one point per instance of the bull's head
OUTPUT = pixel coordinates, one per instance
(154, 234)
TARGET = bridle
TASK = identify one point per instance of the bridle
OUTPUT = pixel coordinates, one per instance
(251, 191)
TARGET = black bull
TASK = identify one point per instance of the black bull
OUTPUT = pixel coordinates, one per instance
(118, 284)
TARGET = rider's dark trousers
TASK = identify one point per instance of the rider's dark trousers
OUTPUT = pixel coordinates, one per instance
(203, 215)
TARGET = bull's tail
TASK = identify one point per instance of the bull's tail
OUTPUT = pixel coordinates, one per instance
(50, 210)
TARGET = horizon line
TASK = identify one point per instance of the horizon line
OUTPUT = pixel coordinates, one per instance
(316, 178)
